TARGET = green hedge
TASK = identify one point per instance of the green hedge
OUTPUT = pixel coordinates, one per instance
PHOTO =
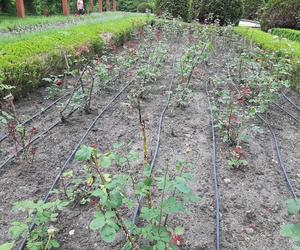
(280, 46)
(293, 35)
(25, 61)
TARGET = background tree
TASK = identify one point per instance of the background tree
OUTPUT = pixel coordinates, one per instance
(174, 7)
(226, 11)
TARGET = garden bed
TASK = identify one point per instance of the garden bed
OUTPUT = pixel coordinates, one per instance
(252, 197)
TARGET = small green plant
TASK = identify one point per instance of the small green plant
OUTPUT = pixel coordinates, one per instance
(111, 194)
(237, 158)
(43, 216)
(16, 131)
(292, 231)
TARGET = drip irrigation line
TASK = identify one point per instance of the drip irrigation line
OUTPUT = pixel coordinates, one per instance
(215, 174)
(279, 158)
(71, 156)
(36, 139)
(39, 113)
(290, 101)
(138, 207)
(288, 113)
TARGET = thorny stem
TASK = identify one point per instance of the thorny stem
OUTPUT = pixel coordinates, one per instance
(88, 103)
(72, 94)
(163, 197)
(119, 218)
(143, 129)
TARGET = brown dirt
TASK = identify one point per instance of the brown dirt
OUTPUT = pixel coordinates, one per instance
(251, 203)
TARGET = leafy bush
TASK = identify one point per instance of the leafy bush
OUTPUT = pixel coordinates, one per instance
(25, 61)
(226, 11)
(252, 8)
(143, 7)
(174, 7)
(281, 14)
(281, 47)
(293, 35)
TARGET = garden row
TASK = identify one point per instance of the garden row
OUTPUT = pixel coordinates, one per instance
(26, 60)
(289, 47)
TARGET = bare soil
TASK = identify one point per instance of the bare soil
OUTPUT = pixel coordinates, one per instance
(252, 207)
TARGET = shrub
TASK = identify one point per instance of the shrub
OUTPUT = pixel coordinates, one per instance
(252, 8)
(293, 35)
(143, 7)
(25, 61)
(226, 11)
(282, 47)
(281, 14)
(174, 7)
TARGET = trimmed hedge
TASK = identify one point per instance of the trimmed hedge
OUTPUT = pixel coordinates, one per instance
(293, 35)
(25, 61)
(174, 7)
(277, 45)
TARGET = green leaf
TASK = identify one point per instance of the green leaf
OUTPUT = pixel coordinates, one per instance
(172, 206)
(98, 222)
(99, 193)
(84, 153)
(116, 199)
(17, 229)
(53, 244)
(108, 233)
(7, 246)
(179, 231)
(150, 214)
(105, 161)
(293, 206)
(159, 246)
(181, 185)
(291, 231)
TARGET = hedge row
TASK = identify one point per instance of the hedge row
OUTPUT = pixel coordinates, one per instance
(24, 62)
(293, 35)
(281, 47)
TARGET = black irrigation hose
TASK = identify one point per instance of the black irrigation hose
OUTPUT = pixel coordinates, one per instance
(290, 101)
(279, 158)
(39, 113)
(138, 207)
(288, 113)
(36, 139)
(70, 157)
(215, 175)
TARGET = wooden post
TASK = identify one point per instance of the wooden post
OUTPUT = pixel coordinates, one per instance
(20, 8)
(65, 6)
(115, 5)
(100, 9)
(91, 6)
(107, 5)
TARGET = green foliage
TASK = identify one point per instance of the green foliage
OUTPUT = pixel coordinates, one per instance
(224, 11)
(174, 7)
(252, 8)
(280, 14)
(112, 195)
(293, 35)
(292, 231)
(143, 7)
(280, 46)
(270, 42)
(42, 215)
(28, 59)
